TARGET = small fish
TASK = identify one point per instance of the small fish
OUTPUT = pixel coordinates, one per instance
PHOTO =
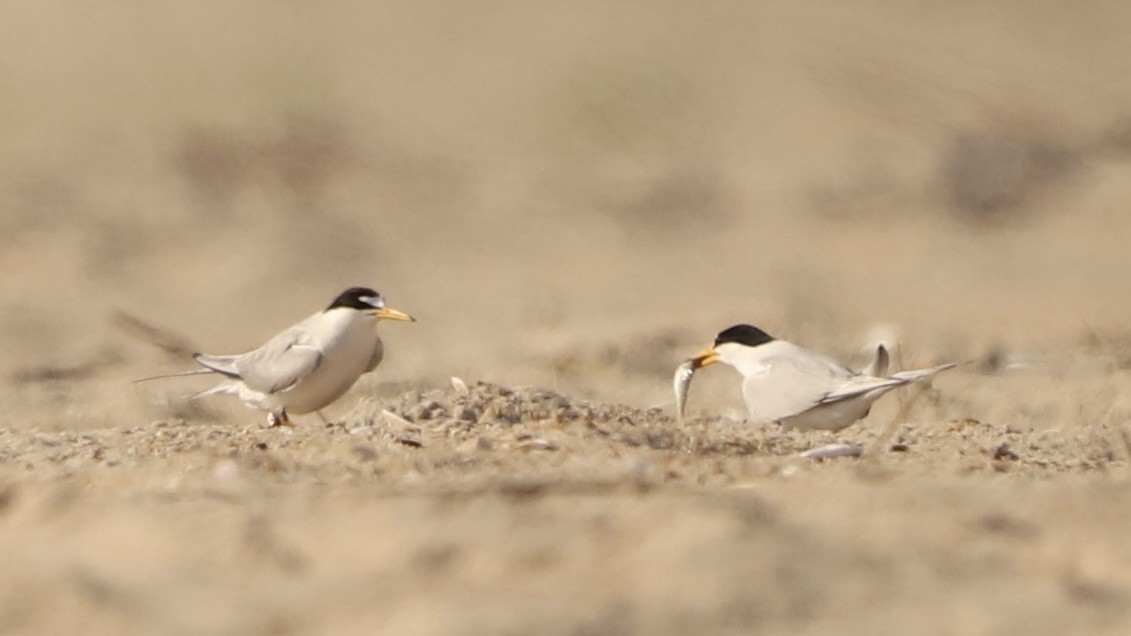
(682, 384)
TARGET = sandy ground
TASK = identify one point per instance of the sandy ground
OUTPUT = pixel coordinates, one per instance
(571, 200)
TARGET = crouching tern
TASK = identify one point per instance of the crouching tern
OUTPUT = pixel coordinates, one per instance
(309, 365)
(796, 387)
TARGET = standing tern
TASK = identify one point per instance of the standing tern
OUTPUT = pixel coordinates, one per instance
(309, 365)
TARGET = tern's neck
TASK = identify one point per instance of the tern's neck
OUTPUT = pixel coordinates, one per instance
(344, 317)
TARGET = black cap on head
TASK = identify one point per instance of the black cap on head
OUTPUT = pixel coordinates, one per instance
(358, 298)
(748, 335)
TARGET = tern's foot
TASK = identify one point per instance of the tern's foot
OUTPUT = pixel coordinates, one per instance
(279, 419)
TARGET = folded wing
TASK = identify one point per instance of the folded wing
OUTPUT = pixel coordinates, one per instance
(792, 382)
(277, 366)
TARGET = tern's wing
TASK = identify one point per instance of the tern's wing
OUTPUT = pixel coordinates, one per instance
(861, 384)
(378, 355)
(281, 363)
(920, 374)
(224, 365)
(276, 366)
(878, 367)
(792, 381)
(858, 386)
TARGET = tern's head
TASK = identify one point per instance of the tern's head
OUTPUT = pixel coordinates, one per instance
(732, 346)
(369, 301)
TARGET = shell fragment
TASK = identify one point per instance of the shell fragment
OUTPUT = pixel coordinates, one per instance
(832, 451)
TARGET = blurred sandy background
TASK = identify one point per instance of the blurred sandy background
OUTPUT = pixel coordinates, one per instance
(573, 196)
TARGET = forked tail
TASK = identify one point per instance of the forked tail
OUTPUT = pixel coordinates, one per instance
(920, 374)
(174, 375)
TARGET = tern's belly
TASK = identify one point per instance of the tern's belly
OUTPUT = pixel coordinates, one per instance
(343, 362)
(830, 417)
(320, 389)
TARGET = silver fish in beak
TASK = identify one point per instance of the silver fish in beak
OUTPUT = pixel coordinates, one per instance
(682, 385)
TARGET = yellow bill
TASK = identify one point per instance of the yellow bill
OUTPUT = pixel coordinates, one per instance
(388, 313)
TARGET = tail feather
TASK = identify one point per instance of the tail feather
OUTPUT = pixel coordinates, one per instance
(224, 365)
(175, 375)
(862, 385)
(224, 388)
(921, 374)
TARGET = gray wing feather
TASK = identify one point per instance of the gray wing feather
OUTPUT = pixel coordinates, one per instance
(378, 355)
(859, 386)
(224, 365)
(793, 383)
(919, 374)
(864, 384)
(276, 366)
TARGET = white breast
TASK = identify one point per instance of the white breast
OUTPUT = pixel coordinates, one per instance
(347, 340)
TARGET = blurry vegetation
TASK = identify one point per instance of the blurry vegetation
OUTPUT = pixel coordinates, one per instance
(215, 164)
(1115, 141)
(648, 354)
(32, 202)
(299, 158)
(870, 188)
(639, 135)
(986, 176)
(641, 110)
(992, 176)
(669, 202)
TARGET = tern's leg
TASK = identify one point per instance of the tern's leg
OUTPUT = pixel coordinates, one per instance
(279, 419)
(323, 418)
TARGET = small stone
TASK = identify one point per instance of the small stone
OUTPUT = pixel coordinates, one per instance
(364, 452)
(538, 444)
(392, 419)
(1005, 452)
(509, 414)
(411, 441)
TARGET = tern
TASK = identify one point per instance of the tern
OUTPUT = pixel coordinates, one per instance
(796, 387)
(309, 365)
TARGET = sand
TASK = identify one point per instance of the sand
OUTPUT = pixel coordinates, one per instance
(571, 200)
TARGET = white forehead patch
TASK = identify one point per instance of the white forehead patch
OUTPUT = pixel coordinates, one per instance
(376, 302)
